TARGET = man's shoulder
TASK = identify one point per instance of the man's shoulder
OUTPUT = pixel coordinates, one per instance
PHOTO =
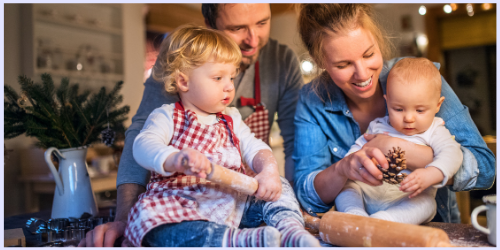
(281, 51)
(274, 44)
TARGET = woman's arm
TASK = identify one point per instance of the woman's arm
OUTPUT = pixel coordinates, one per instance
(478, 166)
(311, 155)
(318, 179)
(357, 166)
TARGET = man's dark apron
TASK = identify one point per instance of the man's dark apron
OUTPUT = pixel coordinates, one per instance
(258, 121)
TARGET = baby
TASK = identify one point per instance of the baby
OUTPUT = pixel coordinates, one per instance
(179, 142)
(413, 97)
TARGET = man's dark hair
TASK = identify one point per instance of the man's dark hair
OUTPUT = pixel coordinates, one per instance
(210, 12)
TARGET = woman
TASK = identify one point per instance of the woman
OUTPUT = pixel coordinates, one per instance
(336, 108)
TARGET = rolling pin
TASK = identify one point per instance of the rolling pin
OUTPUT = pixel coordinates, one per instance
(232, 179)
(347, 230)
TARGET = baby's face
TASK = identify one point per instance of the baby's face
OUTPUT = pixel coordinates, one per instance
(210, 88)
(411, 107)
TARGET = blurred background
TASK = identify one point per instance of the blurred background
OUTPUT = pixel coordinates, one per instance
(98, 44)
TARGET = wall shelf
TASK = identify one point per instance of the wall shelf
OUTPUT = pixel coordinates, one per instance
(61, 38)
(80, 75)
(71, 23)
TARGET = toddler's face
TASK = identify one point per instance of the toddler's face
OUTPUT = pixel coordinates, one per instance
(210, 88)
(411, 107)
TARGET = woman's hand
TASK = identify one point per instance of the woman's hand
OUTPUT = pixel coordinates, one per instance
(359, 166)
(417, 156)
(190, 162)
(356, 166)
(381, 141)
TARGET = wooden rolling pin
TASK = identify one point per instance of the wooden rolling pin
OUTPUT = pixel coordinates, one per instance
(229, 178)
(347, 230)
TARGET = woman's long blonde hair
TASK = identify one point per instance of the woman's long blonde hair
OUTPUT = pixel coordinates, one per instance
(189, 47)
(317, 21)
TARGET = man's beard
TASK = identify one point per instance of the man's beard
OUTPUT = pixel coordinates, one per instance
(246, 61)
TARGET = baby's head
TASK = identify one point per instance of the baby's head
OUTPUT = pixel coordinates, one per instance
(199, 64)
(413, 95)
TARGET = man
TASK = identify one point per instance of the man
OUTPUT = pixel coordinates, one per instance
(278, 82)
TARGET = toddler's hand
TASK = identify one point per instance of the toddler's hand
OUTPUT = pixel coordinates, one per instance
(191, 162)
(416, 182)
(269, 185)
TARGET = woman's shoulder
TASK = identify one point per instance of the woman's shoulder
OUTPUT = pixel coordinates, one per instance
(311, 92)
(322, 91)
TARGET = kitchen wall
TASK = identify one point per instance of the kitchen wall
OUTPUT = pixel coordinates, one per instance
(13, 191)
(390, 17)
(134, 49)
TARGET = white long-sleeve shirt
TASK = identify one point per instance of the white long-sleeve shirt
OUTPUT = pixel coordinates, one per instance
(447, 154)
(151, 147)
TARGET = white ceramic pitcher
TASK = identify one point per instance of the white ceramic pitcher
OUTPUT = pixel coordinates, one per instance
(73, 195)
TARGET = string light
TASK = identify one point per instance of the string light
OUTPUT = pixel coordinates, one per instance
(454, 6)
(486, 6)
(470, 9)
(422, 42)
(447, 9)
(307, 66)
(422, 10)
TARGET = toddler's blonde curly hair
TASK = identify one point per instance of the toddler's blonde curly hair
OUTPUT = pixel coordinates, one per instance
(189, 47)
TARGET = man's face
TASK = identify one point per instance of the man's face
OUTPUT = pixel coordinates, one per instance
(248, 25)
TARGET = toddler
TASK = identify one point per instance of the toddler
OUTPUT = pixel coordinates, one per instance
(413, 98)
(179, 142)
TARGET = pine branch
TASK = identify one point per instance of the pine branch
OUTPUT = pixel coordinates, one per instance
(61, 117)
(26, 83)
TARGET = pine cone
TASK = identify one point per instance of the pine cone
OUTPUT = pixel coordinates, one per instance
(397, 163)
(108, 137)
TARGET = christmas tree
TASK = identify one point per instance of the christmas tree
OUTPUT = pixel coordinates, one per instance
(61, 117)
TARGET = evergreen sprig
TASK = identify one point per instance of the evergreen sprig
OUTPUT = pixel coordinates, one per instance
(61, 117)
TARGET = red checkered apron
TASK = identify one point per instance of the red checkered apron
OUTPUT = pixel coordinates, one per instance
(179, 197)
(258, 121)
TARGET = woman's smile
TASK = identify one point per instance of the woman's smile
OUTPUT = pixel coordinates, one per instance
(364, 85)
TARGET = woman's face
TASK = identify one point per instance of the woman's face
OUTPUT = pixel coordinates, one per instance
(353, 61)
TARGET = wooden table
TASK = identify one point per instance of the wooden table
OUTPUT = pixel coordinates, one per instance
(461, 235)
(35, 185)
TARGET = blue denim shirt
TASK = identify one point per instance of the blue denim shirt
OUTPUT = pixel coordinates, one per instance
(324, 132)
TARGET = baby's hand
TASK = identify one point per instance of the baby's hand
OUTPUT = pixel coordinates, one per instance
(191, 162)
(416, 182)
(269, 185)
